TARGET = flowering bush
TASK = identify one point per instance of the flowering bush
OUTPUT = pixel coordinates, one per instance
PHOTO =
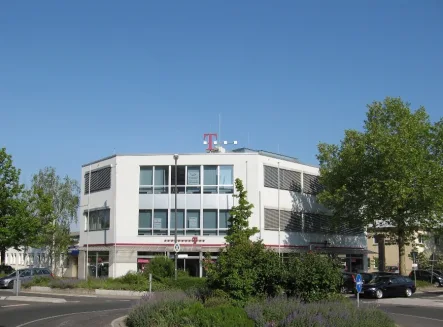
(295, 313)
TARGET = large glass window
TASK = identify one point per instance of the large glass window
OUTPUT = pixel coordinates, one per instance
(193, 180)
(98, 219)
(180, 222)
(160, 222)
(181, 179)
(146, 180)
(226, 179)
(210, 179)
(145, 222)
(98, 264)
(223, 222)
(161, 179)
(193, 222)
(209, 222)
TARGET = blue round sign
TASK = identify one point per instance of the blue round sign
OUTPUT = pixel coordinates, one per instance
(358, 283)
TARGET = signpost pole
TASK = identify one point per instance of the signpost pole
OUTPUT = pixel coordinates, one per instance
(17, 282)
(414, 266)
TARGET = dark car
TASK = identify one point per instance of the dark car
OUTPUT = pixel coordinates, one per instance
(425, 275)
(348, 285)
(389, 286)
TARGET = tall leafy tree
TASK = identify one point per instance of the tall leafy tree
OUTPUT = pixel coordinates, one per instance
(10, 203)
(64, 196)
(388, 176)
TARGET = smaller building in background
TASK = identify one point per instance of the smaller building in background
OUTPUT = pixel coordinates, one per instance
(40, 258)
(391, 252)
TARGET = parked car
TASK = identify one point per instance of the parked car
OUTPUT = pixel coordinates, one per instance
(6, 270)
(24, 276)
(389, 286)
(425, 275)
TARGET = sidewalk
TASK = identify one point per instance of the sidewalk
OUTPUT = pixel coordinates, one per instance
(32, 299)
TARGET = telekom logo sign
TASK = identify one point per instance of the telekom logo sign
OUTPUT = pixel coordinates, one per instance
(209, 138)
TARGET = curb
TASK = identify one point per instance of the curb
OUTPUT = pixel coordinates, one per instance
(119, 322)
(85, 292)
(33, 299)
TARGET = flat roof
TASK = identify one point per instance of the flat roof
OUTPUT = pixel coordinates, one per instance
(239, 151)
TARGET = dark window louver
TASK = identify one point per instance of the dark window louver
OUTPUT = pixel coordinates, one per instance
(289, 180)
(289, 221)
(311, 184)
(100, 181)
(322, 224)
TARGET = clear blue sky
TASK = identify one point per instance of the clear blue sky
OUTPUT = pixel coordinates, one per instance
(79, 79)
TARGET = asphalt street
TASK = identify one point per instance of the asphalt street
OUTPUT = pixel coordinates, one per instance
(77, 311)
(101, 311)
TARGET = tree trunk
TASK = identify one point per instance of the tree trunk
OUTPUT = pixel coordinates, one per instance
(3, 256)
(401, 253)
(381, 252)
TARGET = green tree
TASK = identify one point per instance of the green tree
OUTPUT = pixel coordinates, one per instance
(239, 230)
(11, 205)
(244, 268)
(22, 212)
(64, 195)
(387, 176)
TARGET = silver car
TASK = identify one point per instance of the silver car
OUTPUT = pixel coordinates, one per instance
(24, 275)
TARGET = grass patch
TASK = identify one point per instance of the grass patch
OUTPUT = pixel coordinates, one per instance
(422, 284)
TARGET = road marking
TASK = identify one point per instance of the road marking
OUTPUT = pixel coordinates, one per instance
(13, 305)
(402, 314)
(67, 315)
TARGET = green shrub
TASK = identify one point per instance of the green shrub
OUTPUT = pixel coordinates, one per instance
(185, 283)
(247, 270)
(176, 309)
(313, 277)
(160, 267)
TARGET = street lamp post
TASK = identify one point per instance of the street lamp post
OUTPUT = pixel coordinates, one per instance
(175, 214)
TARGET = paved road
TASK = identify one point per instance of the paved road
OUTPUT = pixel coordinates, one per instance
(77, 311)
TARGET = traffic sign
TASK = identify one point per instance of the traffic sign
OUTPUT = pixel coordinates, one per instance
(177, 247)
(358, 283)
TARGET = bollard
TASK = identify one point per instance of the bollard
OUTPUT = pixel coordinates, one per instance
(150, 283)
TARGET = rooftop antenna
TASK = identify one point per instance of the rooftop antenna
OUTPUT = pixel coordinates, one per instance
(219, 126)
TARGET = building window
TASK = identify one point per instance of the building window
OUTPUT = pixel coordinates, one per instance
(290, 180)
(145, 222)
(226, 181)
(193, 180)
(161, 179)
(146, 180)
(420, 239)
(180, 222)
(98, 219)
(100, 181)
(210, 178)
(223, 222)
(98, 264)
(374, 240)
(209, 222)
(181, 179)
(437, 240)
(160, 222)
(193, 222)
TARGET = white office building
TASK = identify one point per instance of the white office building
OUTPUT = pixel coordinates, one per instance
(128, 201)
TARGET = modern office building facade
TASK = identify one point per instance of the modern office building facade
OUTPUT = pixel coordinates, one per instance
(127, 210)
